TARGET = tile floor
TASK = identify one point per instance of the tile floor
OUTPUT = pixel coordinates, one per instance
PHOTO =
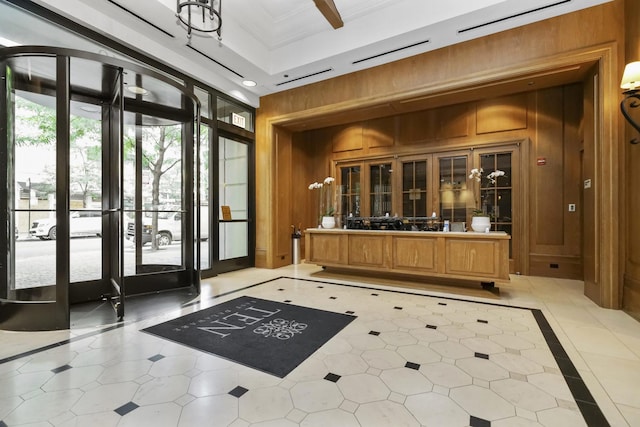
(412, 357)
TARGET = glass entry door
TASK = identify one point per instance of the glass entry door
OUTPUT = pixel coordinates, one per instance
(99, 185)
(235, 218)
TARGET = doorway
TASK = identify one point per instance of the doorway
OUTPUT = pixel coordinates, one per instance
(99, 184)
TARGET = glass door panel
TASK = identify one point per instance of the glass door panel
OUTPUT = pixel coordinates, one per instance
(453, 185)
(414, 188)
(496, 193)
(35, 193)
(153, 193)
(205, 190)
(380, 189)
(349, 190)
(233, 175)
(85, 192)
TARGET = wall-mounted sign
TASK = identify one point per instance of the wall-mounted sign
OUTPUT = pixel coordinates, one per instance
(541, 161)
(237, 120)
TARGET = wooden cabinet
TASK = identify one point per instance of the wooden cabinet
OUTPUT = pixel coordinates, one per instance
(482, 257)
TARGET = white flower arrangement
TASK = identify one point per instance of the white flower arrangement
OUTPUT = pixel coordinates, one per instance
(327, 196)
(476, 175)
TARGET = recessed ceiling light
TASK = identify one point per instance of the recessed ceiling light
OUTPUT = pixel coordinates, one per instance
(137, 90)
(249, 83)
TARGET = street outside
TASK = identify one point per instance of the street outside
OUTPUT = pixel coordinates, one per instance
(35, 259)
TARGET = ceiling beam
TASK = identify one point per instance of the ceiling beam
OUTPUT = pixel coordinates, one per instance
(330, 12)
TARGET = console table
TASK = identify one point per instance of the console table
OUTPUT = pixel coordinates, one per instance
(482, 257)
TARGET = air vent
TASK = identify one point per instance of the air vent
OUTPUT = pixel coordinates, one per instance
(140, 18)
(211, 59)
(389, 52)
(304, 77)
(517, 15)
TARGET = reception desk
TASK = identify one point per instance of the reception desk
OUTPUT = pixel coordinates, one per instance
(482, 257)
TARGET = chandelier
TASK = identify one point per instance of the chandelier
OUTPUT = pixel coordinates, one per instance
(200, 15)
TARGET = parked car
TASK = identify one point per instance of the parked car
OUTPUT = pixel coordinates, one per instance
(81, 223)
(169, 228)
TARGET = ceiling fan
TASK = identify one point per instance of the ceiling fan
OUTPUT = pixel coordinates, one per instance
(330, 12)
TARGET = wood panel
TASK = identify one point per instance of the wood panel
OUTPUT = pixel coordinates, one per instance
(368, 251)
(417, 127)
(453, 121)
(472, 257)
(326, 248)
(548, 200)
(501, 114)
(379, 132)
(415, 253)
(347, 138)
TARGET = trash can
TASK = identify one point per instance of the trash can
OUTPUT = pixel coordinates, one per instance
(295, 250)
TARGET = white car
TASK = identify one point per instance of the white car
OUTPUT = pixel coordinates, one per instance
(81, 223)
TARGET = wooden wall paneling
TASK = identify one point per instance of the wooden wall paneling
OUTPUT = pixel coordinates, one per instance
(379, 132)
(453, 121)
(547, 227)
(283, 191)
(501, 114)
(417, 127)
(572, 182)
(304, 209)
(590, 248)
(347, 137)
(441, 75)
(631, 294)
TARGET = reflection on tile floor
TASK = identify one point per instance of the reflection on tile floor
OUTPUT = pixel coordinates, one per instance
(412, 357)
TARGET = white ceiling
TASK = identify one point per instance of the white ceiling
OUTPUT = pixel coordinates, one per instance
(282, 44)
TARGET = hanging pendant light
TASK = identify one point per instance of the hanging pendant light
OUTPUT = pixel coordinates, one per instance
(200, 15)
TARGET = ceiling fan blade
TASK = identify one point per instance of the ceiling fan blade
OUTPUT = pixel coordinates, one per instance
(330, 12)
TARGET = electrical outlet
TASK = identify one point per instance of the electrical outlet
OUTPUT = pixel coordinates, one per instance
(572, 207)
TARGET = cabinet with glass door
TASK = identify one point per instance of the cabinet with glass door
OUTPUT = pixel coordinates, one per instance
(453, 188)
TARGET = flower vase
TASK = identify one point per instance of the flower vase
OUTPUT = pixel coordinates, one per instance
(328, 222)
(480, 224)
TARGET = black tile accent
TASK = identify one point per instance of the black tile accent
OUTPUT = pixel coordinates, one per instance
(156, 358)
(586, 403)
(281, 289)
(320, 287)
(332, 377)
(287, 300)
(479, 422)
(592, 414)
(238, 391)
(481, 355)
(126, 408)
(61, 369)
(482, 321)
(442, 303)
(412, 365)
(397, 308)
(375, 295)
(333, 297)
(376, 333)
(432, 327)
(350, 312)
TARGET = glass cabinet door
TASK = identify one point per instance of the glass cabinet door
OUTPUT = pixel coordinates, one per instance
(349, 190)
(453, 186)
(495, 194)
(414, 188)
(380, 193)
